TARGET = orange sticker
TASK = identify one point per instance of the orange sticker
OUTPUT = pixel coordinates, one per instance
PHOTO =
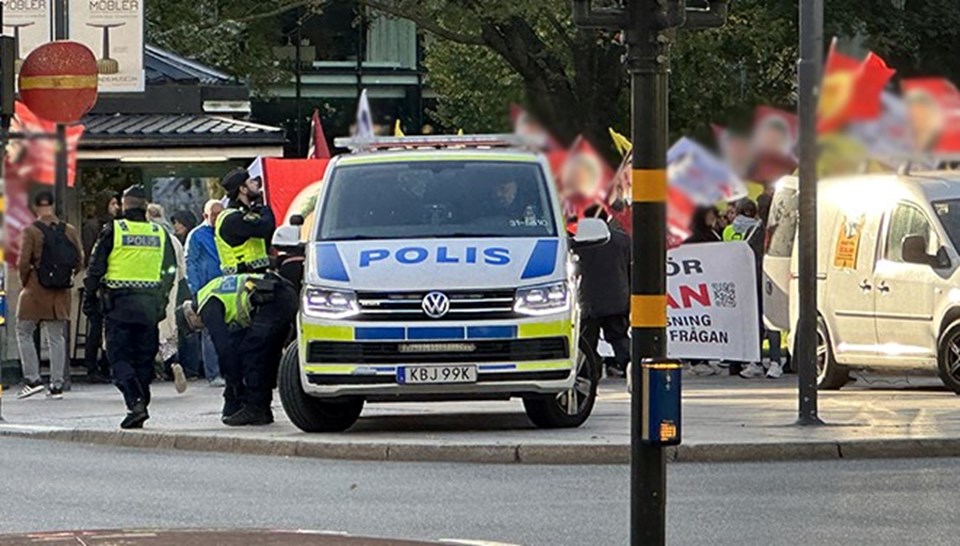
(848, 243)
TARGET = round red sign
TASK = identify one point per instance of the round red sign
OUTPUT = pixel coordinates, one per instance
(58, 81)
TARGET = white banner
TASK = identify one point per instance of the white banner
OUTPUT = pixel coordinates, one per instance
(712, 309)
(712, 303)
(113, 30)
(30, 22)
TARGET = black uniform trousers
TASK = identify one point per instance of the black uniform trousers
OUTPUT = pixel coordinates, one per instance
(226, 340)
(262, 346)
(615, 332)
(250, 357)
(132, 349)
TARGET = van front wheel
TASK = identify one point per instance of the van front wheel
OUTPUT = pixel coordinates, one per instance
(948, 357)
(306, 412)
(570, 408)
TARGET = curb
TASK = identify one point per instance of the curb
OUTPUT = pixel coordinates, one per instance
(545, 454)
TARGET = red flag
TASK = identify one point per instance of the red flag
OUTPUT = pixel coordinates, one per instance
(34, 159)
(318, 142)
(933, 112)
(851, 90)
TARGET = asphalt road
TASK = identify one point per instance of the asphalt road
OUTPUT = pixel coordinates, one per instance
(50, 485)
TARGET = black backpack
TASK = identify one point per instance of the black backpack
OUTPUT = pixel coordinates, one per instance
(58, 258)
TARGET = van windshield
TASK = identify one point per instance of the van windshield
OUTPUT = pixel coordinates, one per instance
(949, 214)
(425, 199)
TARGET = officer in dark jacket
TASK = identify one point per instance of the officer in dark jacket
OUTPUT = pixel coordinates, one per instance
(605, 295)
(243, 230)
(131, 273)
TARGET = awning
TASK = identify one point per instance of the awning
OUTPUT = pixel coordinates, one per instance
(149, 132)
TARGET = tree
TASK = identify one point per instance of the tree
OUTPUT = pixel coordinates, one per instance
(235, 36)
(572, 78)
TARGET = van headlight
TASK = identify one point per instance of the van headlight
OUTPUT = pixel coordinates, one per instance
(543, 300)
(328, 303)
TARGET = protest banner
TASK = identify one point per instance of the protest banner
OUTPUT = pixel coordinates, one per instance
(712, 303)
(712, 311)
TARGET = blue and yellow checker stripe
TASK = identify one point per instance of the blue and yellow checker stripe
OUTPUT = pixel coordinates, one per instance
(330, 332)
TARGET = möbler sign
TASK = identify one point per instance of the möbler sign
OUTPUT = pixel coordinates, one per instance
(58, 81)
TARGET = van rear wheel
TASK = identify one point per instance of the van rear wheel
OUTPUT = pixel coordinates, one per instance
(306, 412)
(830, 375)
(570, 408)
(948, 358)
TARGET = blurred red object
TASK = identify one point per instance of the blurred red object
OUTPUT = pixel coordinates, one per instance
(851, 89)
(58, 81)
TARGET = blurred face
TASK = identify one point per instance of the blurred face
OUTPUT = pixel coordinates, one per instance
(113, 208)
(251, 188)
(212, 212)
(731, 213)
(710, 219)
(773, 137)
(925, 118)
(506, 193)
(178, 228)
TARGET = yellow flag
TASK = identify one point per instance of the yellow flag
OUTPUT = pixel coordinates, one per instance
(397, 131)
(459, 132)
(621, 142)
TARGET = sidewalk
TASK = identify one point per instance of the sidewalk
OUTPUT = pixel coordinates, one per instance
(725, 419)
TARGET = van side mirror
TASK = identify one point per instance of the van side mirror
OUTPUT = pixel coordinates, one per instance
(914, 251)
(591, 232)
(296, 220)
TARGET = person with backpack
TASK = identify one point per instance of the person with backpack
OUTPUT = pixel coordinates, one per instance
(50, 256)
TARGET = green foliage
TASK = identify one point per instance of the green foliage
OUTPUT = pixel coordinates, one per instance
(474, 85)
(235, 36)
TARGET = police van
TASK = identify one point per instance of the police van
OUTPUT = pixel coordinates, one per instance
(438, 268)
(888, 273)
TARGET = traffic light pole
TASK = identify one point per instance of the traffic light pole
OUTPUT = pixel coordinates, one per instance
(808, 72)
(648, 65)
(648, 28)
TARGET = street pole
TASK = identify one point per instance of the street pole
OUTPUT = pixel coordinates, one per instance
(648, 28)
(648, 65)
(808, 71)
(299, 88)
(60, 164)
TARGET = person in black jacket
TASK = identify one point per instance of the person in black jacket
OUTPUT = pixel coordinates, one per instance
(131, 272)
(703, 226)
(605, 295)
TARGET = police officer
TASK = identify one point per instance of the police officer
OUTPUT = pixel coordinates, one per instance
(243, 229)
(131, 273)
(248, 316)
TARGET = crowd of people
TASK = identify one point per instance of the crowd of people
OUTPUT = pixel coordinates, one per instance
(172, 298)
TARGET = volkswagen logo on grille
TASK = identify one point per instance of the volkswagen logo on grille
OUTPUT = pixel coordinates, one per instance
(435, 304)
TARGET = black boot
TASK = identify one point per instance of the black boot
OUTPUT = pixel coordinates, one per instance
(136, 416)
(231, 402)
(249, 415)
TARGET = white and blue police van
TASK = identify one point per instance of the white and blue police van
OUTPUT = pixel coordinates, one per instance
(438, 269)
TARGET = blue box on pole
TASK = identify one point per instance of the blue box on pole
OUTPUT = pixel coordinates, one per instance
(661, 403)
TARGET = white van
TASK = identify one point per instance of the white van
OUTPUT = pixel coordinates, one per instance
(887, 270)
(439, 269)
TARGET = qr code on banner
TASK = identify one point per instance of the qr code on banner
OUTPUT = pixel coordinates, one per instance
(724, 294)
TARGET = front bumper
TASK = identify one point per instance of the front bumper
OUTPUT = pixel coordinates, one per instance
(513, 358)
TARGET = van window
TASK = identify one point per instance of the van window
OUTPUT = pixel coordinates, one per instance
(782, 223)
(905, 221)
(949, 214)
(420, 199)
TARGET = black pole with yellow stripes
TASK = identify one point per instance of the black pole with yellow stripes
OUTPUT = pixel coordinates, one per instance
(648, 29)
(648, 64)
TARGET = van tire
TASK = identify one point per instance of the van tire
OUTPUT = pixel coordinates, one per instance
(308, 413)
(830, 375)
(951, 336)
(550, 411)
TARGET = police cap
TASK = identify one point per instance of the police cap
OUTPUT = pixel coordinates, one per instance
(137, 191)
(232, 181)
